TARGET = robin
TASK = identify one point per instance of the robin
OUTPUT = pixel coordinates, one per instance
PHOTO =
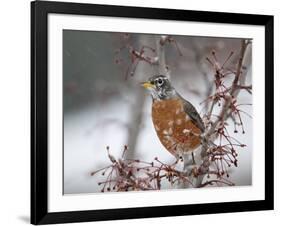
(176, 121)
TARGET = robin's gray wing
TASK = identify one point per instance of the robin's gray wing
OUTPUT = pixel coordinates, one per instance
(193, 114)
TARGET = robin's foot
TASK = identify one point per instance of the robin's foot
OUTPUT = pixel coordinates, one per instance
(178, 160)
(193, 158)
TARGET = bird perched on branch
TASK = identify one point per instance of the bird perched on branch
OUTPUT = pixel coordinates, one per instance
(176, 121)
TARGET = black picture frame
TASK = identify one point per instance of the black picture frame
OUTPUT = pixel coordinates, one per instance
(39, 112)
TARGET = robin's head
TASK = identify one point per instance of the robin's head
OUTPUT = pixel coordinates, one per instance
(160, 87)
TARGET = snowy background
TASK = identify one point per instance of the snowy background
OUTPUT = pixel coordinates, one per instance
(104, 108)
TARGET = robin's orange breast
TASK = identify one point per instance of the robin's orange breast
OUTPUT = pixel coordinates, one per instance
(175, 129)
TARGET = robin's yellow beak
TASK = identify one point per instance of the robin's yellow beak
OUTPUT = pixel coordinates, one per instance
(147, 85)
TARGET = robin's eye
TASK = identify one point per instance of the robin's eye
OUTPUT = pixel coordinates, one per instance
(160, 81)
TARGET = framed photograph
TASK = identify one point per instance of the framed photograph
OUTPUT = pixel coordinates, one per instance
(144, 112)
